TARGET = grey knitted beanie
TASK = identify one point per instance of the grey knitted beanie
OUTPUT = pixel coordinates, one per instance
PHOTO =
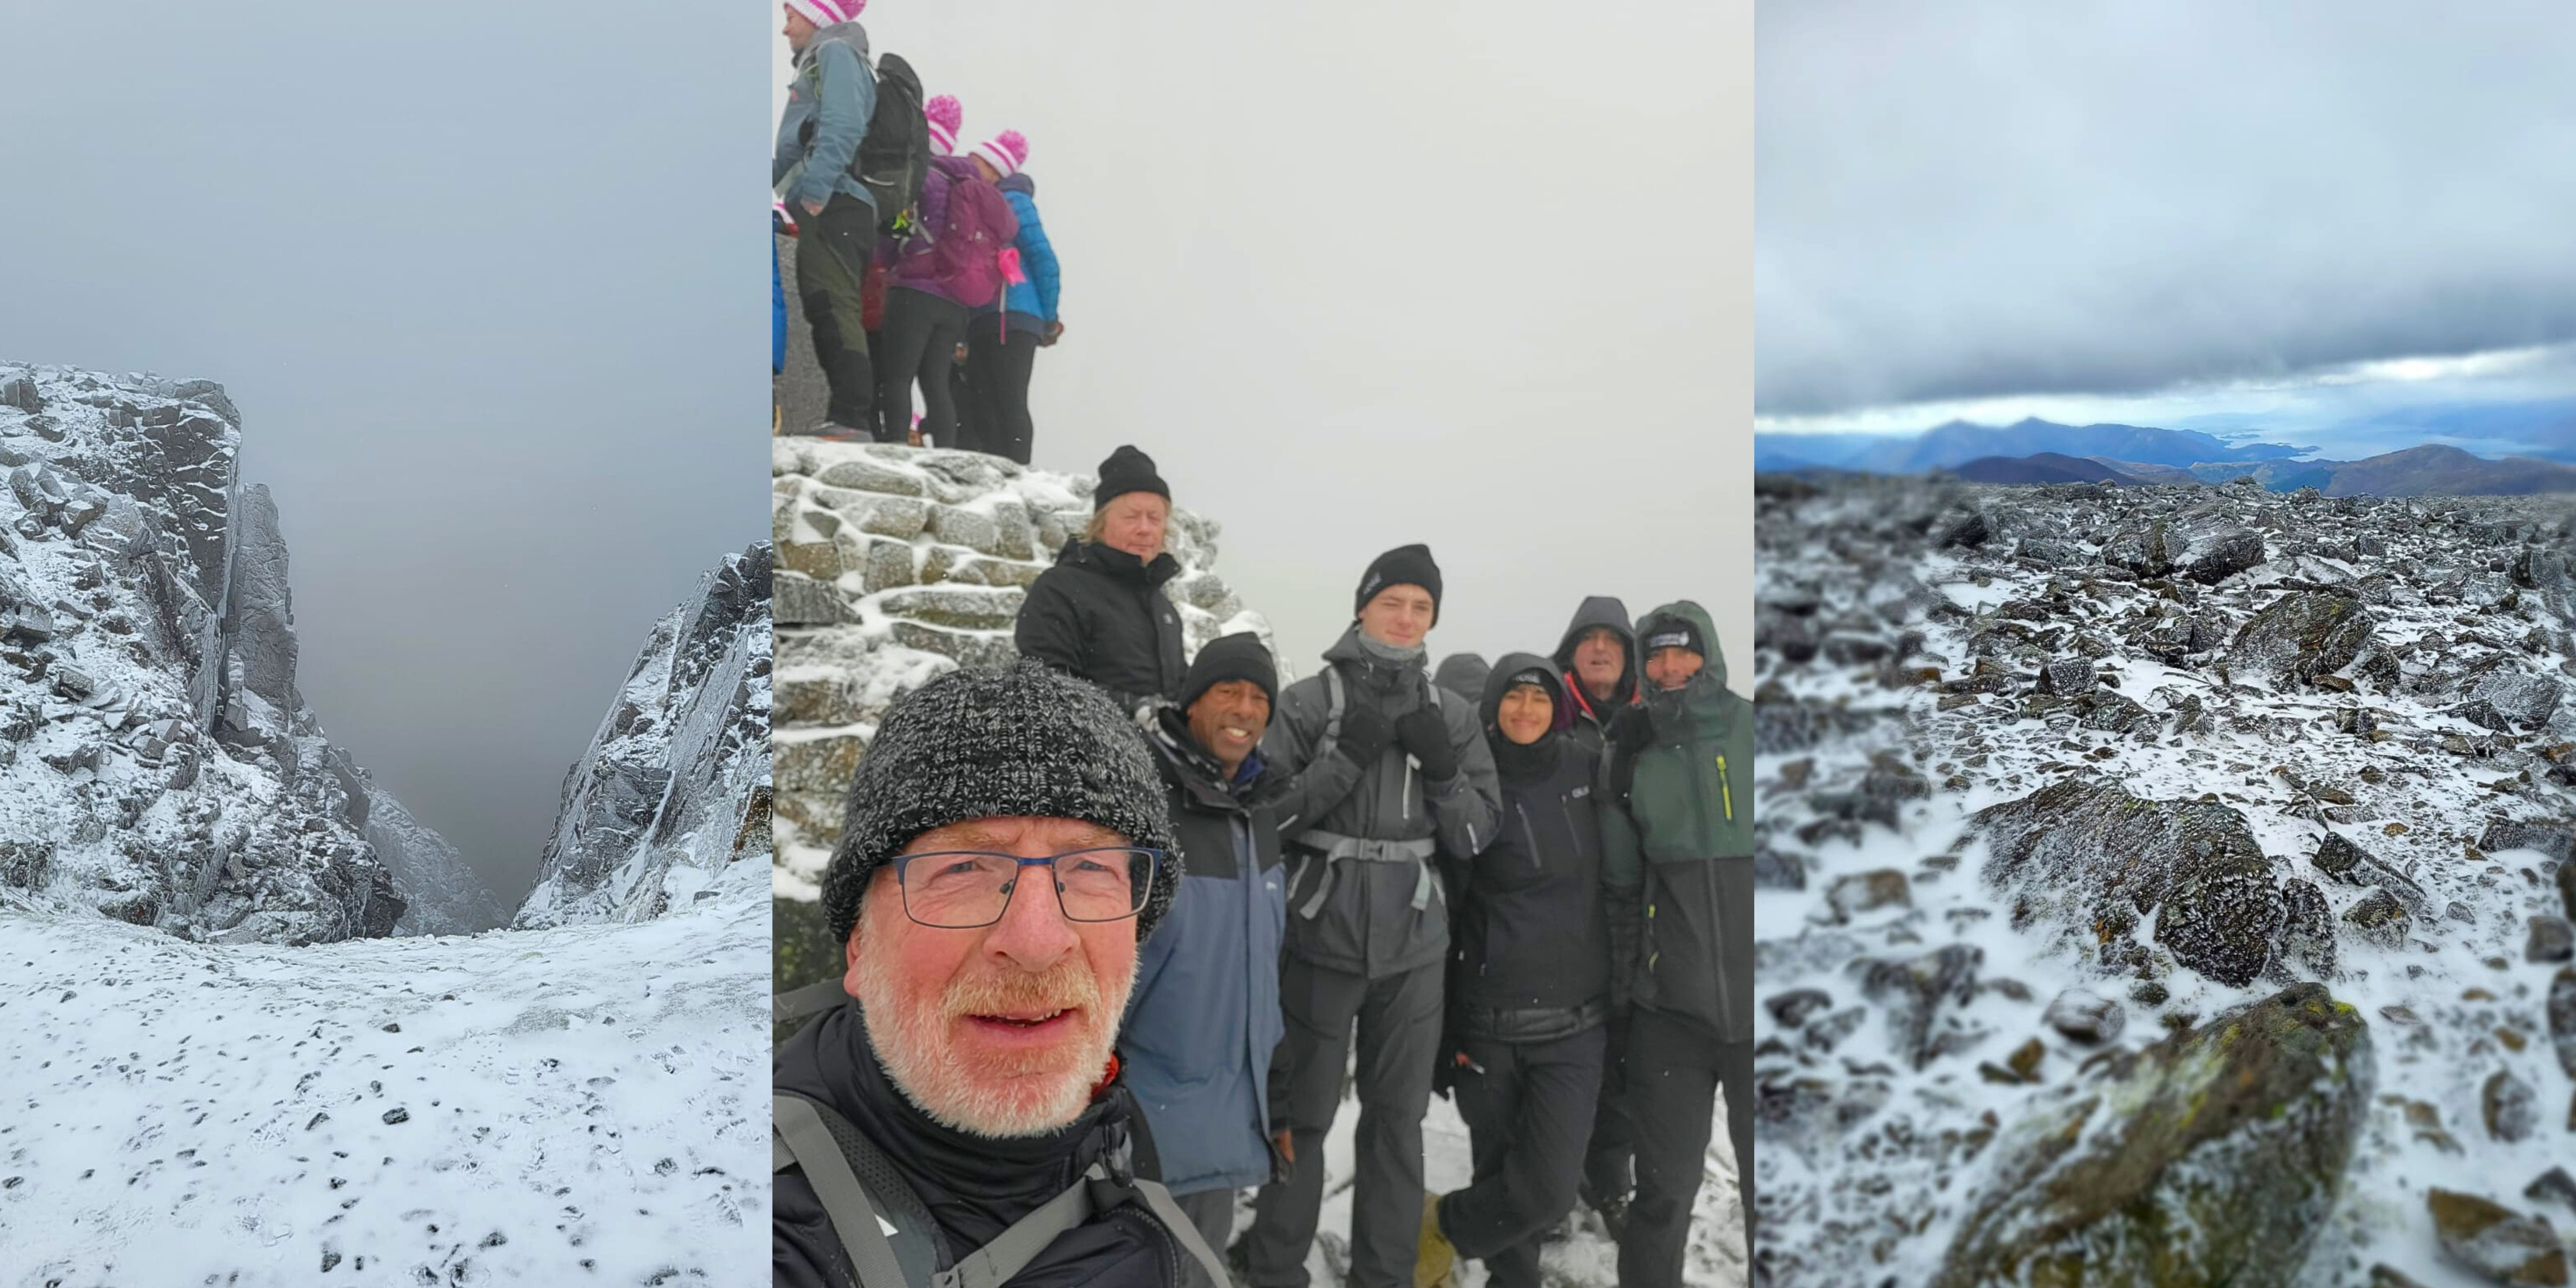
(989, 743)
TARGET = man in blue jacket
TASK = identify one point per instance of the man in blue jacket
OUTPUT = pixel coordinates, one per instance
(1197, 1043)
(829, 105)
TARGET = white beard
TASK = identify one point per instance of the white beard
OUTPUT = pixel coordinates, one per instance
(1026, 1095)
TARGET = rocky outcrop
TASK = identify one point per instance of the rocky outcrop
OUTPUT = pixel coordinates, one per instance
(158, 764)
(896, 564)
(440, 894)
(2208, 1159)
(660, 811)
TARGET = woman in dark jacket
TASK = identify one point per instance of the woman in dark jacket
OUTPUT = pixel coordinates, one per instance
(1531, 981)
(1100, 612)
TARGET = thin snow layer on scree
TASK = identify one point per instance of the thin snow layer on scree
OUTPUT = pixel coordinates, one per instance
(2166, 677)
(586, 1104)
(158, 764)
(899, 564)
(674, 788)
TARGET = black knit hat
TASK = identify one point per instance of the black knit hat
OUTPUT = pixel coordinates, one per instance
(987, 743)
(1669, 630)
(1127, 470)
(1230, 657)
(1402, 566)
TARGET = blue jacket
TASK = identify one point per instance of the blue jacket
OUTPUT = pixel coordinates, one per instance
(834, 96)
(1195, 1049)
(1031, 303)
(777, 314)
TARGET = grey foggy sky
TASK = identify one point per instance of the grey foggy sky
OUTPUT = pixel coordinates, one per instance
(2172, 210)
(483, 278)
(1360, 275)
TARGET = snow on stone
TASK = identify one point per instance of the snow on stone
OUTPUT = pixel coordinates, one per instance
(157, 763)
(441, 895)
(2386, 672)
(674, 788)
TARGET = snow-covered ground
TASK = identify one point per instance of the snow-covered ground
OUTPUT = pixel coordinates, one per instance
(1898, 734)
(586, 1104)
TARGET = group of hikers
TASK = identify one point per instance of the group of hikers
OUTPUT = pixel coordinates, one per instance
(1529, 884)
(916, 263)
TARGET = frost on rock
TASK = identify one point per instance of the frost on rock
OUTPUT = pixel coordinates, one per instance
(157, 763)
(674, 789)
(2192, 759)
(898, 563)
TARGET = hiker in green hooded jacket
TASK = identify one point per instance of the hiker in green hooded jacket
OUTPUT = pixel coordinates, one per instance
(1682, 770)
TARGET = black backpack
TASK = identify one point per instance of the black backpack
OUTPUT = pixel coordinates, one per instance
(895, 154)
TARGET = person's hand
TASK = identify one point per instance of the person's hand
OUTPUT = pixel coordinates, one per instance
(1054, 332)
(812, 208)
(1365, 735)
(1286, 1141)
(1426, 737)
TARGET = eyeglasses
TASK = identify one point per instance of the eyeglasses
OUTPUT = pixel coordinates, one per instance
(963, 889)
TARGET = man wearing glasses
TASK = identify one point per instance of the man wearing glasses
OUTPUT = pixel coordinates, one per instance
(1006, 849)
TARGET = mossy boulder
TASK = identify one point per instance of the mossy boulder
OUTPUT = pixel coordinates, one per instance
(2208, 1159)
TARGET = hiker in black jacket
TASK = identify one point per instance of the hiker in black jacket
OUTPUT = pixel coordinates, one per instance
(1380, 773)
(1100, 612)
(958, 1101)
(1532, 982)
(1598, 658)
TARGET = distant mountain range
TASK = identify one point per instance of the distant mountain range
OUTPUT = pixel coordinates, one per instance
(2045, 467)
(1959, 442)
(2037, 451)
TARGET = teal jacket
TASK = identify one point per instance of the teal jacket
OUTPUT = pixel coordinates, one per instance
(829, 105)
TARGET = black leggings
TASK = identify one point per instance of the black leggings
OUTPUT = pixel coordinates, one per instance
(921, 335)
(997, 370)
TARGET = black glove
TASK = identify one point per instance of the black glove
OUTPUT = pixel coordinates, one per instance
(1426, 736)
(1365, 735)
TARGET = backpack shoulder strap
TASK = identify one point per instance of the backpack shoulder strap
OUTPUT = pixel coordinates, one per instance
(812, 999)
(800, 1139)
(1333, 702)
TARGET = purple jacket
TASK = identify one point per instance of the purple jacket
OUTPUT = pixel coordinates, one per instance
(959, 264)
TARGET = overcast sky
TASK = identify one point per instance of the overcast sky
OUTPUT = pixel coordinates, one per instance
(484, 279)
(2152, 213)
(1359, 275)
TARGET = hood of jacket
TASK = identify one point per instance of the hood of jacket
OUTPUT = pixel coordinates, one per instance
(1462, 674)
(1699, 705)
(1019, 181)
(1597, 611)
(1516, 762)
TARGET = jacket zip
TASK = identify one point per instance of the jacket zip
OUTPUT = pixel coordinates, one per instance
(1726, 789)
(1530, 835)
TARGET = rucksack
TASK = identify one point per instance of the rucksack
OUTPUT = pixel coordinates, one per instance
(966, 249)
(860, 1188)
(895, 153)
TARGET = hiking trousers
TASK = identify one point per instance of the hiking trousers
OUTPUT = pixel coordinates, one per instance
(1528, 1111)
(1212, 1211)
(998, 369)
(832, 254)
(1399, 1030)
(1674, 1069)
(921, 335)
(1607, 1171)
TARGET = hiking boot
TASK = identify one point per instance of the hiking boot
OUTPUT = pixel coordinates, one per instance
(1435, 1265)
(835, 432)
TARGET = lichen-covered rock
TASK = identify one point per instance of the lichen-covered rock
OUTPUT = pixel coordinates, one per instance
(2510, 1107)
(2077, 845)
(2307, 928)
(2552, 939)
(2494, 1240)
(2237, 1132)
(2553, 837)
(1869, 892)
(1922, 995)
(2300, 636)
(2380, 919)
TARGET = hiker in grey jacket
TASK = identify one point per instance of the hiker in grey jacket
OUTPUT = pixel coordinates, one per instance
(829, 105)
(1375, 784)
